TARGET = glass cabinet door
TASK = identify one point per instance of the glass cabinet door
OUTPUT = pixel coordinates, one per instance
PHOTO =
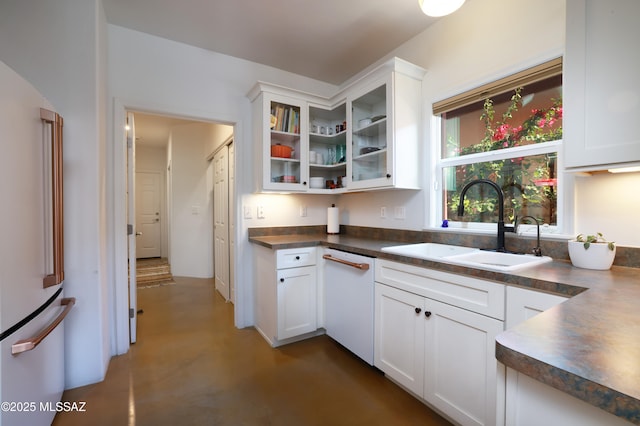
(285, 146)
(369, 138)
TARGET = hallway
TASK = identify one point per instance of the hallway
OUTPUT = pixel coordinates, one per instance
(191, 366)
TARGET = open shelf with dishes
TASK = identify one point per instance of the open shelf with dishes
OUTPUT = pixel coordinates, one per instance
(327, 148)
(285, 157)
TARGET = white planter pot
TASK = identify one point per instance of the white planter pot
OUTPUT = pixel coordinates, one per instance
(597, 256)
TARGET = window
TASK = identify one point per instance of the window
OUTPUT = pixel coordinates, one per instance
(509, 132)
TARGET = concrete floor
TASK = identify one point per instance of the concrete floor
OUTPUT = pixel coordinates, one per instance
(191, 366)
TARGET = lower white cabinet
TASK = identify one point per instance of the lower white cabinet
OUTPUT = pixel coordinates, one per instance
(523, 304)
(399, 336)
(286, 294)
(460, 363)
(296, 293)
(532, 403)
(440, 352)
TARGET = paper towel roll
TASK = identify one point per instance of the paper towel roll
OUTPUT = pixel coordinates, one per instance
(333, 220)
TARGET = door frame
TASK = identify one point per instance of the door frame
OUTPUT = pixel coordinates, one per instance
(118, 292)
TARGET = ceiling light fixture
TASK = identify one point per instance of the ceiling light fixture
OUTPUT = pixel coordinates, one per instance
(437, 8)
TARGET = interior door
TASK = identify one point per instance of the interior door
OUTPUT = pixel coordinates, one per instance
(232, 221)
(148, 222)
(220, 218)
(131, 215)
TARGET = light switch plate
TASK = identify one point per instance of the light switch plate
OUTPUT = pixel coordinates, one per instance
(247, 212)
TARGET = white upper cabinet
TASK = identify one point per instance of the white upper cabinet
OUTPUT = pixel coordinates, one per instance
(280, 123)
(385, 115)
(601, 84)
(367, 136)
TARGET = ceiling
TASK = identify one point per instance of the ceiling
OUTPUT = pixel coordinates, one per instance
(328, 40)
(154, 130)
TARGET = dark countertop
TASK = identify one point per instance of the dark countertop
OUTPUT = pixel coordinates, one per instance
(588, 347)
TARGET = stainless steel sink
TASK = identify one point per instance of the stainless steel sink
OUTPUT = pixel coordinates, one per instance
(497, 261)
(429, 251)
(468, 256)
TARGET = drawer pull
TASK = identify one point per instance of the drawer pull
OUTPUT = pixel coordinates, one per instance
(361, 266)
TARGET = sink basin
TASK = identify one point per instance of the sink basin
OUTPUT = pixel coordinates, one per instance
(496, 261)
(429, 251)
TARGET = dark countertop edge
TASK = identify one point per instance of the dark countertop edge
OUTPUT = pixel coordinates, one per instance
(606, 398)
(596, 394)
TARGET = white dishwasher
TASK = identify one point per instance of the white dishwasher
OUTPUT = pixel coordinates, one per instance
(349, 301)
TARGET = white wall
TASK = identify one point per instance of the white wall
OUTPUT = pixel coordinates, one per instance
(220, 134)
(609, 203)
(60, 47)
(191, 252)
(284, 209)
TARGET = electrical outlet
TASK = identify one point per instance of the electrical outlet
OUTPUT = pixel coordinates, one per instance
(400, 213)
(247, 212)
(260, 212)
(303, 211)
(383, 212)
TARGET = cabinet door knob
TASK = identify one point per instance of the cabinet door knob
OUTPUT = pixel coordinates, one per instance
(418, 310)
(281, 280)
(304, 183)
(388, 176)
(427, 314)
(297, 257)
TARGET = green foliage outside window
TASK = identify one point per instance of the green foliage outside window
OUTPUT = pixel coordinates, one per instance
(529, 182)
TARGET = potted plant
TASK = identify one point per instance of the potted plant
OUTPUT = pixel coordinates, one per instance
(592, 252)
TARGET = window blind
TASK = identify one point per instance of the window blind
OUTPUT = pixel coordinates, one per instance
(512, 82)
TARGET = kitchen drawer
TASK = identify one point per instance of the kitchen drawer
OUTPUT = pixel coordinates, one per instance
(483, 297)
(293, 258)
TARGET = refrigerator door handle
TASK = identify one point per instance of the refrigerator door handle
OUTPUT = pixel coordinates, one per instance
(31, 343)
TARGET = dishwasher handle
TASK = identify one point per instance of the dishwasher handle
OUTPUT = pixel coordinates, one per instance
(361, 266)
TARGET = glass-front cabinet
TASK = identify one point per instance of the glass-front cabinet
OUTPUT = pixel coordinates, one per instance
(385, 117)
(369, 166)
(364, 137)
(283, 128)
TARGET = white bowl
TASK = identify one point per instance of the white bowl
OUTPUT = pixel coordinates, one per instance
(364, 122)
(316, 182)
(597, 256)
